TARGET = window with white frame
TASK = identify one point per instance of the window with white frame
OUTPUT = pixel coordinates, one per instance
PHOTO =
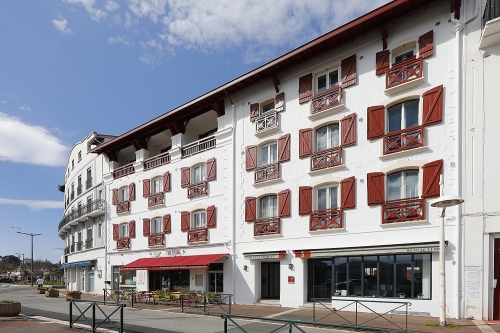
(89, 233)
(123, 194)
(327, 80)
(157, 185)
(402, 115)
(123, 230)
(402, 185)
(156, 225)
(268, 206)
(403, 56)
(269, 153)
(199, 219)
(403, 52)
(79, 156)
(267, 106)
(199, 173)
(327, 137)
(327, 197)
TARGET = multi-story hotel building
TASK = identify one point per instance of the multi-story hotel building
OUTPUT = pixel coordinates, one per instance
(312, 175)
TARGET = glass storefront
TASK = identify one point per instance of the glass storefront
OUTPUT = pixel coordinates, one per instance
(169, 280)
(397, 276)
(123, 278)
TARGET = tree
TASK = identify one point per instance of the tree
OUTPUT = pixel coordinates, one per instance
(12, 260)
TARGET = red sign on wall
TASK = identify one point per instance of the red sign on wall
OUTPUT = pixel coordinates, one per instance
(291, 279)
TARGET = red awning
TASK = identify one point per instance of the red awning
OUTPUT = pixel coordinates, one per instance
(169, 263)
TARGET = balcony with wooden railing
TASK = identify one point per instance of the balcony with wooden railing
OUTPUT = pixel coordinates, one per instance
(267, 226)
(404, 71)
(198, 146)
(326, 158)
(156, 161)
(157, 239)
(267, 172)
(124, 170)
(155, 199)
(323, 219)
(197, 189)
(123, 243)
(266, 122)
(197, 235)
(326, 99)
(123, 207)
(404, 139)
(403, 210)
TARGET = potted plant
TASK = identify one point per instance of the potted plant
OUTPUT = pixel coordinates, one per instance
(75, 294)
(402, 295)
(420, 295)
(41, 290)
(9, 308)
(52, 292)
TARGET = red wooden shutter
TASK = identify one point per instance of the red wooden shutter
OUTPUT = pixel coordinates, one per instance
(376, 185)
(251, 157)
(284, 148)
(284, 203)
(116, 234)
(166, 224)
(432, 171)
(375, 122)
(115, 196)
(305, 142)
(254, 111)
(426, 45)
(146, 227)
(131, 192)
(348, 128)
(250, 209)
(211, 169)
(279, 102)
(348, 193)
(185, 221)
(146, 185)
(348, 68)
(131, 229)
(432, 111)
(184, 177)
(211, 217)
(166, 182)
(305, 200)
(305, 88)
(382, 59)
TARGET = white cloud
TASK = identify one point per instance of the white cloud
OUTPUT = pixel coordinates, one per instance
(33, 204)
(2, 101)
(95, 14)
(61, 25)
(120, 39)
(24, 108)
(150, 8)
(26, 143)
(111, 6)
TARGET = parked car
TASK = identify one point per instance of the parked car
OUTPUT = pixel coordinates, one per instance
(6, 279)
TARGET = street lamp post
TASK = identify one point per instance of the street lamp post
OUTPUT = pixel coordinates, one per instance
(31, 277)
(442, 202)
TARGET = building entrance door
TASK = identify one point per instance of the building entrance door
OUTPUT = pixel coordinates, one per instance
(270, 280)
(496, 276)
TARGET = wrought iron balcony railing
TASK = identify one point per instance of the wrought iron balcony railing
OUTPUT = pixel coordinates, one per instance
(330, 218)
(198, 146)
(197, 235)
(66, 250)
(123, 243)
(89, 243)
(326, 99)
(326, 158)
(72, 196)
(403, 210)
(491, 11)
(266, 121)
(155, 199)
(89, 183)
(156, 161)
(267, 172)
(123, 207)
(72, 247)
(83, 210)
(197, 189)
(267, 226)
(404, 71)
(79, 190)
(157, 239)
(405, 139)
(124, 170)
(79, 246)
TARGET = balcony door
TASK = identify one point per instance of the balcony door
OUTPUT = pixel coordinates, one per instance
(270, 280)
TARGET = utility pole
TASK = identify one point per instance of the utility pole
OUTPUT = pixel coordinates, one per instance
(31, 277)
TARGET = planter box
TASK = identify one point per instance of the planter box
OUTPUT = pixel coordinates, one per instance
(10, 309)
(52, 293)
(68, 297)
(41, 291)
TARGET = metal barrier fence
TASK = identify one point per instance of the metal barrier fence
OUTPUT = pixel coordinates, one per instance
(119, 296)
(93, 305)
(284, 324)
(353, 306)
(206, 302)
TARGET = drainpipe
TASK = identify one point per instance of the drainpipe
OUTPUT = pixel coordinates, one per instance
(233, 205)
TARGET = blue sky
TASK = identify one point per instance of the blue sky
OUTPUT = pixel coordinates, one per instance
(70, 67)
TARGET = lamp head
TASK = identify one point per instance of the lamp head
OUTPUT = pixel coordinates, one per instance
(447, 200)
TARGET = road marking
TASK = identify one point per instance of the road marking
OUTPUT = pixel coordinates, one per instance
(63, 322)
(282, 313)
(483, 327)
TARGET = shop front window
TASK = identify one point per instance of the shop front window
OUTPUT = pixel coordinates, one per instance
(123, 279)
(320, 277)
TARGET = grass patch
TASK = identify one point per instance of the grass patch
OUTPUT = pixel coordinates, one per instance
(457, 327)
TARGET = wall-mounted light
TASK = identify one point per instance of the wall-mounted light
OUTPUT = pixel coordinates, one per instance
(245, 268)
(290, 266)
